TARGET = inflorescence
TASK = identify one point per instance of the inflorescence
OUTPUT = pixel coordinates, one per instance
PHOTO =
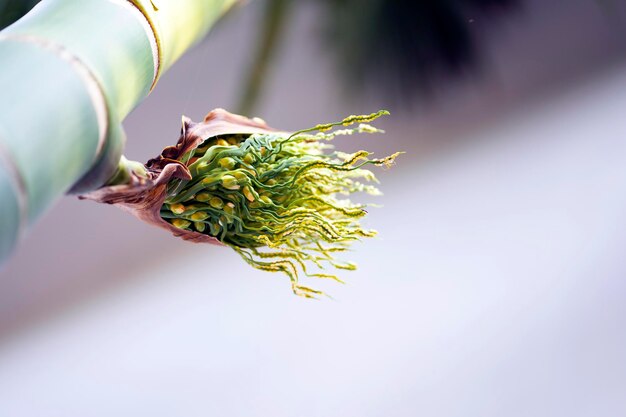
(276, 198)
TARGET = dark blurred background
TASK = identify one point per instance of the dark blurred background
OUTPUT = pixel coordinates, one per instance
(11, 10)
(496, 285)
(404, 50)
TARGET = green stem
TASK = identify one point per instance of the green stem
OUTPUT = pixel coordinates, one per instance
(71, 72)
(124, 171)
(276, 15)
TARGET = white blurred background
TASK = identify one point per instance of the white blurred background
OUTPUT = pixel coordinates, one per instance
(496, 287)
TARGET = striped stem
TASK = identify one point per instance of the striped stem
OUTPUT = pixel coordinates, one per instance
(71, 72)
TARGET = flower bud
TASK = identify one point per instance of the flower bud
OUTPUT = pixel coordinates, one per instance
(198, 216)
(227, 163)
(181, 223)
(229, 182)
(229, 208)
(216, 203)
(248, 193)
(248, 158)
(203, 197)
(210, 180)
(200, 227)
(177, 208)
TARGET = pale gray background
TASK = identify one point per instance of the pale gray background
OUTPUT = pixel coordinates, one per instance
(496, 287)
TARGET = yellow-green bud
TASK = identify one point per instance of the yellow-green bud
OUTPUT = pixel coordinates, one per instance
(227, 163)
(200, 227)
(216, 202)
(229, 182)
(181, 224)
(177, 208)
(248, 193)
(203, 197)
(229, 208)
(210, 180)
(198, 216)
(215, 229)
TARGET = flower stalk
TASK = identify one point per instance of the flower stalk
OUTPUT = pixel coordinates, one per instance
(71, 72)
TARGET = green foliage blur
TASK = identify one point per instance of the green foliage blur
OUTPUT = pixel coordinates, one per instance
(406, 47)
